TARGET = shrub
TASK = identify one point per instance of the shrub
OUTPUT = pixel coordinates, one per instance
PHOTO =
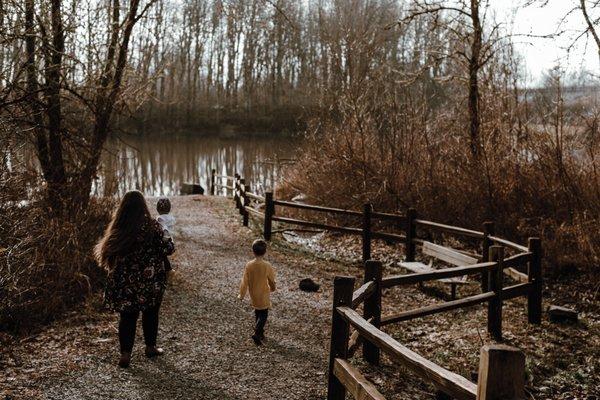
(46, 264)
(382, 146)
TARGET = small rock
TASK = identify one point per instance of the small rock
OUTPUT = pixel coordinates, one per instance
(562, 314)
(308, 285)
(191, 188)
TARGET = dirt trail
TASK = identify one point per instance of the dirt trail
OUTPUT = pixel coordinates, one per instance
(204, 329)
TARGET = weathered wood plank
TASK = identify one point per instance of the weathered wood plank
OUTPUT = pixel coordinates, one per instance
(407, 279)
(516, 275)
(358, 386)
(303, 206)
(393, 237)
(501, 373)
(355, 341)
(361, 293)
(393, 217)
(447, 254)
(354, 231)
(508, 244)
(254, 211)
(451, 383)
(437, 308)
(521, 289)
(449, 228)
(517, 260)
(255, 197)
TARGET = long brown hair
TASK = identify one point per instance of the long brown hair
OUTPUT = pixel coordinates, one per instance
(123, 229)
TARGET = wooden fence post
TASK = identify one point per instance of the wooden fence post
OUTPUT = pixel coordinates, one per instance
(242, 183)
(372, 308)
(488, 230)
(212, 181)
(269, 211)
(246, 203)
(501, 373)
(411, 233)
(495, 303)
(236, 188)
(366, 232)
(343, 287)
(534, 298)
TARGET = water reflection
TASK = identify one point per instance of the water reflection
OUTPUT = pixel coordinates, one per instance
(158, 166)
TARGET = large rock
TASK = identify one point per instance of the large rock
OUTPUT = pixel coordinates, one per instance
(562, 314)
(191, 188)
(308, 285)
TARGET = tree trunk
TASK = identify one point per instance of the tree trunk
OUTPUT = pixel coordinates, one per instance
(474, 66)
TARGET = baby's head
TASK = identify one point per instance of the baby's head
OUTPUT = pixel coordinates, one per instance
(163, 206)
(259, 247)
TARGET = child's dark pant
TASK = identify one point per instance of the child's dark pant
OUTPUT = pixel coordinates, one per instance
(261, 320)
(127, 326)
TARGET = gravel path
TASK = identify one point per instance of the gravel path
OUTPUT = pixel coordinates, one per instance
(204, 329)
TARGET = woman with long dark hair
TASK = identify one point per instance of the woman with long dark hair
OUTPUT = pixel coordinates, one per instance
(133, 250)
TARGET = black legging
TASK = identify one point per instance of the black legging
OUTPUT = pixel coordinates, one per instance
(261, 320)
(127, 326)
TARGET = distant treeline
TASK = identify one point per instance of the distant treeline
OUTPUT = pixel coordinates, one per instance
(263, 65)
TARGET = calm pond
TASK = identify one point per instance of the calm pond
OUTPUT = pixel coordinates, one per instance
(158, 165)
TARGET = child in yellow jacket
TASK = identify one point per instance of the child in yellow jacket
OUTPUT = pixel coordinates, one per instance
(259, 280)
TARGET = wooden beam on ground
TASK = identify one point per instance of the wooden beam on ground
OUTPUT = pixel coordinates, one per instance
(451, 383)
(437, 308)
(358, 386)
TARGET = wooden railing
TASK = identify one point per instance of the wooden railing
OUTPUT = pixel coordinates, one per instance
(501, 368)
(492, 265)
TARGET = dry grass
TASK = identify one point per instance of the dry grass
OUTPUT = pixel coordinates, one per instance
(45, 263)
(390, 148)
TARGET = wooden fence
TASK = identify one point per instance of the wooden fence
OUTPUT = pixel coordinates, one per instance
(492, 264)
(501, 368)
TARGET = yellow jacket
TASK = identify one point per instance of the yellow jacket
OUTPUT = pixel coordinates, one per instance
(259, 280)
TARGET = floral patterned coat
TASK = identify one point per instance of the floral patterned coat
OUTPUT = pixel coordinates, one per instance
(139, 278)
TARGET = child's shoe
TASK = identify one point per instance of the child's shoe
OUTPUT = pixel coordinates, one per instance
(153, 351)
(257, 340)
